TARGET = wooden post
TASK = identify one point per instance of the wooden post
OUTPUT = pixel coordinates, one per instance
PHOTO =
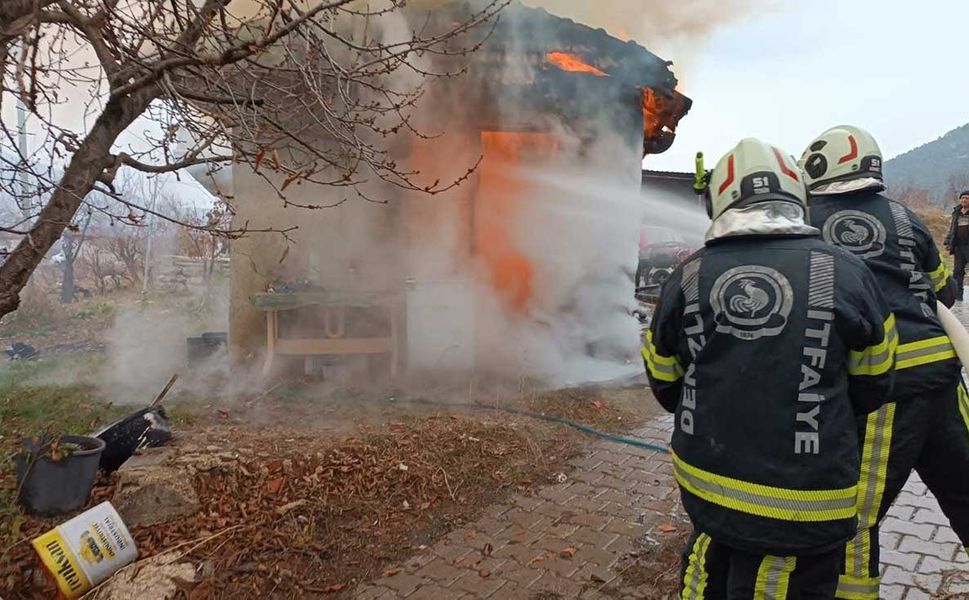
(271, 326)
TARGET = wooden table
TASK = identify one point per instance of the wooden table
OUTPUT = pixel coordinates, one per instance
(334, 342)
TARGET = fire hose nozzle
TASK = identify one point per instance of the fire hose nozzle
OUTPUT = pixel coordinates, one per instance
(701, 182)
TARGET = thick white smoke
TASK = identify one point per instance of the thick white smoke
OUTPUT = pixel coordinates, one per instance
(672, 29)
(576, 220)
(579, 230)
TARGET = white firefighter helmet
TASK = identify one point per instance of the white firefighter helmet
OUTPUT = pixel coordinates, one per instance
(754, 172)
(842, 154)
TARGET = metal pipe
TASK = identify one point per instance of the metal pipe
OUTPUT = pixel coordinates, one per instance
(22, 172)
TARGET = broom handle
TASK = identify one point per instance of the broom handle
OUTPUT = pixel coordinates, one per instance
(164, 392)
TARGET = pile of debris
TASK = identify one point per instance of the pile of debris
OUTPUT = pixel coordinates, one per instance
(278, 512)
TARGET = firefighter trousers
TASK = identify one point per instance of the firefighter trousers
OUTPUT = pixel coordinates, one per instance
(929, 434)
(713, 571)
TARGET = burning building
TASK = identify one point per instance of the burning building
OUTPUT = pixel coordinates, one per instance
(526, 268)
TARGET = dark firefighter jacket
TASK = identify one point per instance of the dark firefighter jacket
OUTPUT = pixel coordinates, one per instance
(899, 250)
(767, 349)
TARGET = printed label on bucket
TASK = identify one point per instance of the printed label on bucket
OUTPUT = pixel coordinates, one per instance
(86, 550)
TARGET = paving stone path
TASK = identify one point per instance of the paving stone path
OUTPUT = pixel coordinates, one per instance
(567, 541)
(919, 549)
(563, 542)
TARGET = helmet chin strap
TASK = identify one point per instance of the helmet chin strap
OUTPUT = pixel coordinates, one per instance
(847, 187)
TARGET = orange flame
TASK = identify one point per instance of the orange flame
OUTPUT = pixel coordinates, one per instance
(573, 64)
(652, 110)
(502, 196)
(661, 113)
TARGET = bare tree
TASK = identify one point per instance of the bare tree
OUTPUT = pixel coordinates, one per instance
(128, 250)
(106, 270)
(299, 90)
(915, 198)
(957, 184)
(205, 247)
(72, 242)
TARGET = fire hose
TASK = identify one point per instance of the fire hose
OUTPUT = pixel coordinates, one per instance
(956, 331)
(613, 437)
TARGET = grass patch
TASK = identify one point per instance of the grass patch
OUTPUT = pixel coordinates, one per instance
(42, 316)
(60, 395)
(53, 395)
(98, 310)
(37, 315)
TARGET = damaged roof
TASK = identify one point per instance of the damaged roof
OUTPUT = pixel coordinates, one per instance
(520, 50)
(539, 31)
(519, 78)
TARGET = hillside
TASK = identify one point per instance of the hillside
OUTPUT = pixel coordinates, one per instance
(936, 220)
(940, 168)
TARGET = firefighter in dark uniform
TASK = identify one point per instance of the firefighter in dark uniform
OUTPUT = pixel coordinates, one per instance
(767, 344)
(926, 426)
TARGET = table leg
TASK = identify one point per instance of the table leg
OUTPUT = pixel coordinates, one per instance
(271, 334)
(394, 343)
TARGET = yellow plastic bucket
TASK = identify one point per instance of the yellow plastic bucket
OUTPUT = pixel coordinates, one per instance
(86, 550)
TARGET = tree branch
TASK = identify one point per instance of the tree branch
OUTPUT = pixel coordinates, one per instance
(227, 56)
(207, 99)
(81, 238)
(17, 14)
(127, 160)
(93, 35)
(283, 85)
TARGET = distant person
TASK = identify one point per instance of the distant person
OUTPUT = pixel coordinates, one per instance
(767, 344)
(926, 426)
(957, 242)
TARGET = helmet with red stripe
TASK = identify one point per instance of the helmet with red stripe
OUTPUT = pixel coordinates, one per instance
(842, 154)
(754, 172)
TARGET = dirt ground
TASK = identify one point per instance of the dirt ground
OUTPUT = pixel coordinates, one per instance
(306, 497)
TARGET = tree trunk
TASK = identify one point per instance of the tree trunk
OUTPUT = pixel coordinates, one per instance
(67, 285)
(146, 282)
(89, 163)
(67, 281)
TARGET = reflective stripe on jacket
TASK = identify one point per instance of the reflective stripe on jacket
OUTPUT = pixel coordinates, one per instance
(766, 349)
(897, 246)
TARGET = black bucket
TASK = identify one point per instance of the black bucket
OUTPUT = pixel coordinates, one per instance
(147, 428)
(205, 346)
(49, 488)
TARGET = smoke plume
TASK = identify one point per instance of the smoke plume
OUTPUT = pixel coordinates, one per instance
(527, 267)
(673, 29)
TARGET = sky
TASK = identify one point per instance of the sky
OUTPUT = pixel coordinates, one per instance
(786, 73)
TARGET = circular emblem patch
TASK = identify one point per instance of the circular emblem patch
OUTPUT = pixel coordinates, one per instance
(751, 302)
(857, 232)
